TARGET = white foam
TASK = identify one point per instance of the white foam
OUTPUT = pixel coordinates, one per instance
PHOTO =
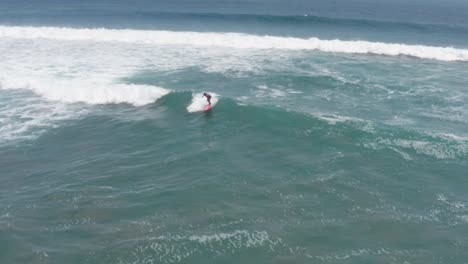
(438, 150)
(449, 210)
(237, 238)
(405, 155)
(199, 102)
(27, 118)
(334, 119)
(88, 91)
(233, 40)
(358, 252)
(453, 137)
(24, 116)
(264, 90)
(64, 73)
(177, 247)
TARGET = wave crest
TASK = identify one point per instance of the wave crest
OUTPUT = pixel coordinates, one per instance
(75, 91)
(234, 40)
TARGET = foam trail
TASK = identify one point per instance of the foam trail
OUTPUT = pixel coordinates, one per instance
(234, 40)
(74, 91)
(24, 118)
(199, 102)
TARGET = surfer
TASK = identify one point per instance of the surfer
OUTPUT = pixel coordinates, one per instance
(208, 98)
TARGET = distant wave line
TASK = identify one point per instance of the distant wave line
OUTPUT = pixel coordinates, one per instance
(234, 40)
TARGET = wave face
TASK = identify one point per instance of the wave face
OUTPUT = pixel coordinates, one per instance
(234, 40)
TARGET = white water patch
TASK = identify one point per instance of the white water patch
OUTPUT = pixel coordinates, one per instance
(42, 80)
(264, 90)
(438, 150)
(241, 238)
(233, 40)
(90, 92)
(177, 248)
(27, 118)
(334, 119)
(364, 125)
(199, 102)
(449, 210)
(359, 253)
(453, 137)
(403, 154)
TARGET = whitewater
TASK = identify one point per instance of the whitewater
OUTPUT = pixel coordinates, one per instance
(99, 66)
(234, 40)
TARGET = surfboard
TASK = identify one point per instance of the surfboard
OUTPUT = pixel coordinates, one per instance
(207, 108)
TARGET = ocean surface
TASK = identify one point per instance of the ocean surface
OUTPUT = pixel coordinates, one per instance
(339, 132)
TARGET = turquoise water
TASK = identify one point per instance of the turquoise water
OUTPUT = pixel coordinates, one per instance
(337, 136)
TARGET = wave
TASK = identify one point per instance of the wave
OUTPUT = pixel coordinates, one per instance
(26, 117)
(407, 143)
(38, 115)
(234, 40)
(76, 91)
(298, 20)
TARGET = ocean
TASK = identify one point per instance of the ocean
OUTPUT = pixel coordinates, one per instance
(339, 132)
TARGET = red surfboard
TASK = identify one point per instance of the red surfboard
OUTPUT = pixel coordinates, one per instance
(207, 108)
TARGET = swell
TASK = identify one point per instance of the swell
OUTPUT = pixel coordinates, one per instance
(280, 122)
(161, 17)
(165, 137)
(306, 20)
(346, 133)
(233, 40)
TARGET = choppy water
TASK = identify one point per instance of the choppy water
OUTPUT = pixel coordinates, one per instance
(335, 137)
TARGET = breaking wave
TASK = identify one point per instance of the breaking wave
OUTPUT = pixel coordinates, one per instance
(234, 40)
